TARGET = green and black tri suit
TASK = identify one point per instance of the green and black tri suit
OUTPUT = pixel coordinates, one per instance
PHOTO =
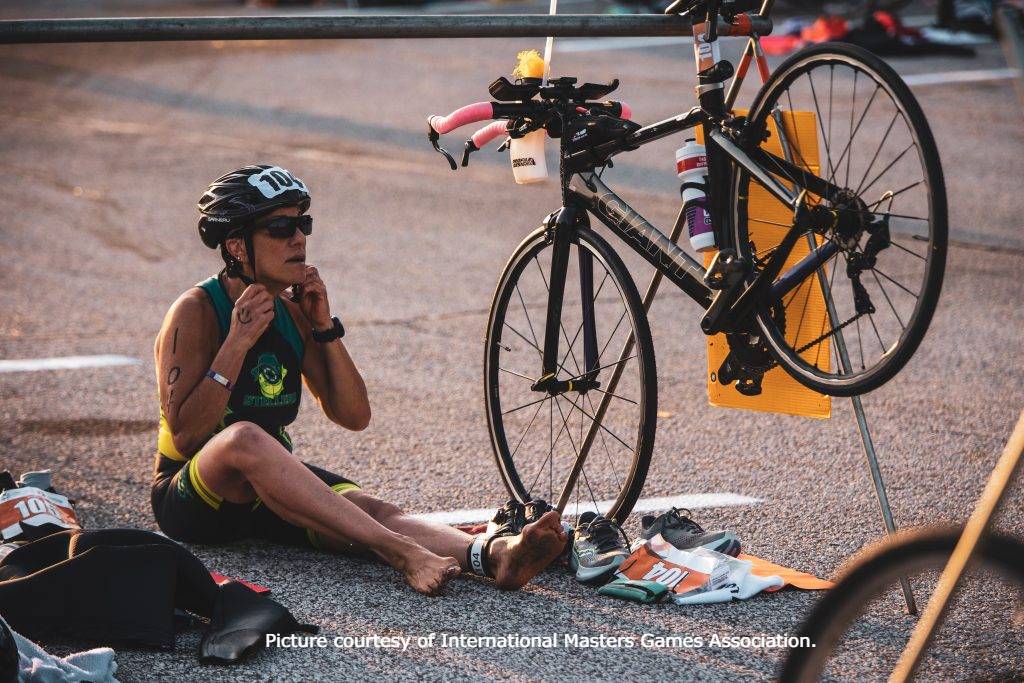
(266, 393)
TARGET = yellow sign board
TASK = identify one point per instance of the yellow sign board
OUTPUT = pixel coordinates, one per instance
(767, 217)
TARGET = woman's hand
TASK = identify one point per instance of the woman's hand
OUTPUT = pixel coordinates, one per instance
(251, 316)
(312, 296)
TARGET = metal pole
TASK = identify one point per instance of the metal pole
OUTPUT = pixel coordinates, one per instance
(137, 29)
(862, 425)
(858, 408)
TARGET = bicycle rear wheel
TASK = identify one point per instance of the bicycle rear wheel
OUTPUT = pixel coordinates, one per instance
(537, 436)
(846, 116)
(859, 623)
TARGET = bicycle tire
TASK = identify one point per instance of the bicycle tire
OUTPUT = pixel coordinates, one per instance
(533, 244)
(877, 568)
(896, 357)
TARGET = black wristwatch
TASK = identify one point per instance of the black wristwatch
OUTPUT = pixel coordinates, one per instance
(337, 331)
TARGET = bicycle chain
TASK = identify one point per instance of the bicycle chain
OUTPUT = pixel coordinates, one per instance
(819, 339)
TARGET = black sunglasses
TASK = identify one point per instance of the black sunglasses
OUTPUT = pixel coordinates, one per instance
(283, 227)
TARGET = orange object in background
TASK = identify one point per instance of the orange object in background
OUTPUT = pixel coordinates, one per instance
(780, 393)
(824, 29)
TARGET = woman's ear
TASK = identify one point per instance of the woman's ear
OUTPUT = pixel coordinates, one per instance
(236, 249)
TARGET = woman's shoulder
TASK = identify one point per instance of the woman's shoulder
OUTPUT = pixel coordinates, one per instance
(193, 308)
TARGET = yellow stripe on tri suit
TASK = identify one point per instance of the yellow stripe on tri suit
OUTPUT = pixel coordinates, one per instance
(165, 441)
(343, 487)
(211, 498)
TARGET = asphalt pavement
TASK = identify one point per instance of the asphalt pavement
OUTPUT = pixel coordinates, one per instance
(106, 149)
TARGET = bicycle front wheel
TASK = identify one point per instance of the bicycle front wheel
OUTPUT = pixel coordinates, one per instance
(538, 436)
(860, 626)
(844, 115)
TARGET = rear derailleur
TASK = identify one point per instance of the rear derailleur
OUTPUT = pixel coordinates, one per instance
(749, 357)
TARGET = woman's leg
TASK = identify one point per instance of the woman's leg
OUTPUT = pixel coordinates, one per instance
(514, 560)
(243, 461)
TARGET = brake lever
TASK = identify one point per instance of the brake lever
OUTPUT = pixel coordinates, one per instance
(434, 137)
(469, 149)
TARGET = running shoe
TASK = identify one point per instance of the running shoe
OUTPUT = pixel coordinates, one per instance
(599, 546)
(509, 520)
(676, 527)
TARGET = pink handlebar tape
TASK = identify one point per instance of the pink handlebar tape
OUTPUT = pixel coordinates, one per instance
(471, 113)
(489, 132)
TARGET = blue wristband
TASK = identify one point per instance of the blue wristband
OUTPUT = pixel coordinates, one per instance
(220, 379)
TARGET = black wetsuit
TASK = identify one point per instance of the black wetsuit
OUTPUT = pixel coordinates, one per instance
(266, 393)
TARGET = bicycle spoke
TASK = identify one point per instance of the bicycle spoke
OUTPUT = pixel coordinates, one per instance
(886, 169)
(612, 335)
(878, 150)
(876, 270)
(892, 195)
(517, 374)
(912, 253)
(898, 318)
(525, 431)
(871, 318)
(860, 343)
(618, 362)
(817, 110)
(621, 398)
(613, 434)
(608, 454)
(525, 405)
(549, 460)
(856, 130)
(527, 314)
(520, 335)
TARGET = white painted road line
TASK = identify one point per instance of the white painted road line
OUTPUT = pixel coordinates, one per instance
(66, 363)
(971, 76)
(694, 501)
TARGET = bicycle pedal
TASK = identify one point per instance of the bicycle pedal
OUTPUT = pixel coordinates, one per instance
(725, 270)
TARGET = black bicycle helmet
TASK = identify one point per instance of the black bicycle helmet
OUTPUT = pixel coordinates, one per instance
(234, 201)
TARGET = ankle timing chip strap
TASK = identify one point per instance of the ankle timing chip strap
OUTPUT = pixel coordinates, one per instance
(477, 555)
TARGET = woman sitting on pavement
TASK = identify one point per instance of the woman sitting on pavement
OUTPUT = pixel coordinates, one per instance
(229, 357)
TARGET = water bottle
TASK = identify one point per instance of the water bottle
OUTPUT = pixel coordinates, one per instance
(527, 153)
(692, 167)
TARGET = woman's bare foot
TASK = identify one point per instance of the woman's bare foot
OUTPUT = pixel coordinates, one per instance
(426, 572)
(517, 559)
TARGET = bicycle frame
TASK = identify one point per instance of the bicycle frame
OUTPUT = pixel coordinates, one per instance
(728, 308)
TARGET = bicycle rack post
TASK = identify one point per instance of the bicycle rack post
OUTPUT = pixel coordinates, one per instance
(858, 407)
(862, 426)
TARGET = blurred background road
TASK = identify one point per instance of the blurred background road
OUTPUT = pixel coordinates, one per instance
(106, 148)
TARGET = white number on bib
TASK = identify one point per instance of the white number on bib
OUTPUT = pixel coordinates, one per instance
(275, 180)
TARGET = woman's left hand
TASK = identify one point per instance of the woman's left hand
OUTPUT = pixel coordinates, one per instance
(313, 300)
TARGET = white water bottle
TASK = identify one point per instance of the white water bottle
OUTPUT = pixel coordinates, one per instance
(692, 167)
(527, 154)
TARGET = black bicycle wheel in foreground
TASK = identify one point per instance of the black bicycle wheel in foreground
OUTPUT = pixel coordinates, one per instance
(860, 128)
(536, 436)
(860, 627)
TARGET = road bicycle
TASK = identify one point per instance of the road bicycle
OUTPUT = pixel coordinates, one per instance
(847, 623)
(569, 368)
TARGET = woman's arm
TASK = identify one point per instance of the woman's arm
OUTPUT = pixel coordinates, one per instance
(192, 403)
(333, 378)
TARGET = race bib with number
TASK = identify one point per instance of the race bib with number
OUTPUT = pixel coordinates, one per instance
(31, 507)
(274, 181)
